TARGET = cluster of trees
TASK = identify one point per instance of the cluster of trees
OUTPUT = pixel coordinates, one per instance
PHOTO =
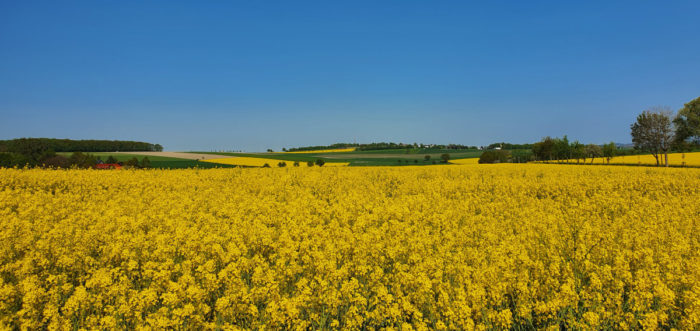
(559, 149)
(67, 145)
(657, 130)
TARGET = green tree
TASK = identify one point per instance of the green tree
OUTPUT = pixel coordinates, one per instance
(282, 164)
(609, 151)
(687, 124)
(111, 160)
(445, 157)
(320, 162)
(578, 151)
(562, 149)
(544, 150)
(296, 163)
(310, 163)
(652, 132)
(427, 157)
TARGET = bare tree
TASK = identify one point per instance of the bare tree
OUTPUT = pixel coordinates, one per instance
(652, 132)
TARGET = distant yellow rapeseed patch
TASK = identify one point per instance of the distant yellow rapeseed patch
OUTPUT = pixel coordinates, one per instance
(259, 162)
(474, 160)
(498, 247)
(337, 150)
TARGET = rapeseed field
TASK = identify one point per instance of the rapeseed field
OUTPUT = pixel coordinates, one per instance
(675, 159)
(474, 247)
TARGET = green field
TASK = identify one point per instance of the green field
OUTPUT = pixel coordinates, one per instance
(391, 157)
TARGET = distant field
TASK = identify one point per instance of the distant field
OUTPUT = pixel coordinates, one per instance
(396, 157)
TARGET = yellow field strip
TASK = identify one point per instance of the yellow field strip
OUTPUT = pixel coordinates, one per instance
(259, 162)
(338, 150)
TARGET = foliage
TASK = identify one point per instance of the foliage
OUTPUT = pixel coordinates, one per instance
(687, 124)
(609, 151)
(450, 247)
(495, 156)
(31, 146)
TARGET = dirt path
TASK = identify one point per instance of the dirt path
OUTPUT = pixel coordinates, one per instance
(179, 155)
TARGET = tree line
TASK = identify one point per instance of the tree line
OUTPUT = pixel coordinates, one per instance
(68, 145)
(37, 152)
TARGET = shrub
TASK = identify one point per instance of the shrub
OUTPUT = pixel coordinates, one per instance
(296, 163)
(310, 163)
(266, 165)
(282, 164)
(320, 162)
(145, 163)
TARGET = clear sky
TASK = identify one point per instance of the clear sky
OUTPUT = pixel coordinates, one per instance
(252, 75)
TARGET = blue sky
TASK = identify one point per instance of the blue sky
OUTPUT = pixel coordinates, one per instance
(261, 74)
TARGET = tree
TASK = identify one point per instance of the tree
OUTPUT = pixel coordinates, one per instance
(320, 162)
(609, 151)
(652, 132)
(281, 164)
(427, 157)
(687, 124)
(111, 160)
(544, 150)
(310, 163)
(296, 163)
(266, 165)
(593, 151)
(578, 151)
(269, 150)
(562, 149)
(445, 157)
